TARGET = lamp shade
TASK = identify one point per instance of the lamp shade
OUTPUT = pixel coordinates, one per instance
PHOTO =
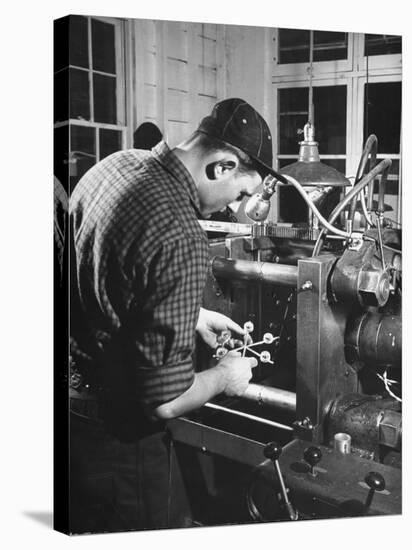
(309, 170)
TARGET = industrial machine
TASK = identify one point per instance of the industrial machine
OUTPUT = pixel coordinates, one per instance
(318, 432)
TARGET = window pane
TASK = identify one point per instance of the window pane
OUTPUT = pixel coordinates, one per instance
(383, 115)
(61, 43)
(78, 41)
(83, 149)
(382, 44)
(290, 133)
(103, 47)
(329, 46)
(82, 139)
(337, 164)
(109, 142)
(294, 46)
(79, 94)
(104, 92)
(329, 118)
(293, 101)
(291, 206)
(392, 182)
(61, 95)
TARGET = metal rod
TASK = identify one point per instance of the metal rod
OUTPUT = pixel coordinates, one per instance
(291, 512)
(274, 397)
(247, 270)
(226, 227)
(311, 106)
(248, 416)
(380, 221)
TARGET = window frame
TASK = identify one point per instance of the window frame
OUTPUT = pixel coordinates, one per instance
(304, 84)
(121, 99)
(394, 61)
(381, 68)
(319, 67)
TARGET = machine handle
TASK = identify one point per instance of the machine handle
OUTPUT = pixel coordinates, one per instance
(273, 451)
(375, 482)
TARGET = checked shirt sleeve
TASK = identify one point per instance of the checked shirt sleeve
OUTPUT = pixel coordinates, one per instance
(166, 320)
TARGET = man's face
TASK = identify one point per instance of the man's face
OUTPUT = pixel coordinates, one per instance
(229, 186)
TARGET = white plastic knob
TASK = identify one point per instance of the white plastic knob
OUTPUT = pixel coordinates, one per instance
(265, 357)
(248, 326)
(268, 338)
(220, 353)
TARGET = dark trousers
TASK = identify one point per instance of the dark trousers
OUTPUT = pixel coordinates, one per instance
(121, 486)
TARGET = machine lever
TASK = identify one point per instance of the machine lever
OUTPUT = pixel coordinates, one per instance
(273, 451)
(375, 482)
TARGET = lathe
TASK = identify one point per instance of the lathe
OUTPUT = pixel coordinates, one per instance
(318, 432)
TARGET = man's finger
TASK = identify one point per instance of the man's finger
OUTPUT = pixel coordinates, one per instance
(254, 362)
(231, 325)
(234, 353)
(237, 328)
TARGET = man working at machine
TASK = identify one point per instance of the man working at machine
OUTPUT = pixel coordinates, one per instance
(138, 272)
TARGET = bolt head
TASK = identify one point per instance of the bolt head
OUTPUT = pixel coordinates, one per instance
(373, 287)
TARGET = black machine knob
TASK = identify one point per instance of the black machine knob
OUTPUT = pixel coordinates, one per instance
(272, 450)
(375, 482)
(312, 456)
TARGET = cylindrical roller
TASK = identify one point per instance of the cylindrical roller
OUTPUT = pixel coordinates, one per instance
(374, 339)
(274, 397)
(279, 274)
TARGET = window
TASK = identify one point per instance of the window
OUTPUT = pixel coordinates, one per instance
(382, 117)
(382, 44)
(329, 121)
(330, 133)
(327, 46)
(88, 89)
(353, 98)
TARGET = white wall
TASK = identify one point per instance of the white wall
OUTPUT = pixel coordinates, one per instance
(180, 70)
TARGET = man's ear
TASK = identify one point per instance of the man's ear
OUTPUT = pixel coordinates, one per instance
(216, 170)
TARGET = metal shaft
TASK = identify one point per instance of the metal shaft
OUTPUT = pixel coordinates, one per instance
(274, 397)
(291, 512)
(248, 416)
(265, 272)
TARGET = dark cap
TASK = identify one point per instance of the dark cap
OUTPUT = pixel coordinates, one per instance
(237, 123)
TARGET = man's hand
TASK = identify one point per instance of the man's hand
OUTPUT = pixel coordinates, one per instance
(211, 323)
(237, 372)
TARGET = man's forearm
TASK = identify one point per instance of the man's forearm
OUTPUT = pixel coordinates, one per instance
(206, 385)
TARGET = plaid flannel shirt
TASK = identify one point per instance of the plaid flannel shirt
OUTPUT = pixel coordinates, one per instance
(141, 264)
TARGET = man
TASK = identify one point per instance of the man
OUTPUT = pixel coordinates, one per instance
(139, 265)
